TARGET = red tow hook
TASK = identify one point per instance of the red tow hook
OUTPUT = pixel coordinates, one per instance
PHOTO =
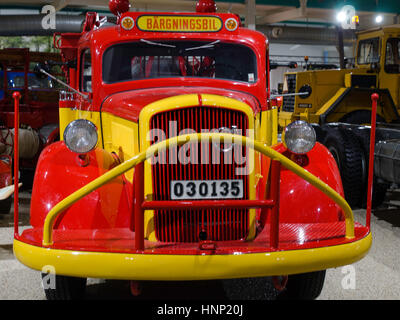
(280, 282)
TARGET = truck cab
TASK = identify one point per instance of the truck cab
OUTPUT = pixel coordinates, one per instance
(379, 50)
(170, 168)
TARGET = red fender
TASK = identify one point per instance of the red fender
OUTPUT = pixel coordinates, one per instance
(300, 202)
(59, 174)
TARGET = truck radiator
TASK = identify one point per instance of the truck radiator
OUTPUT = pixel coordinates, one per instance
(187, 225)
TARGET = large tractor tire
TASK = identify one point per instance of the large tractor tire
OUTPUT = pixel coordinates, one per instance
(349, 155)
(360, 117)
(304, 286)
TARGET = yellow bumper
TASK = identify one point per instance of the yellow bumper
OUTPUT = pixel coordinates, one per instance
(189, 267)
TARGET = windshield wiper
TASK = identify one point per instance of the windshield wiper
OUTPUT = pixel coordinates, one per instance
(157, 43)
(204, 46)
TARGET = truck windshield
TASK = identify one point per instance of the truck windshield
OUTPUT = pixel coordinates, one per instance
(392, 60)
(164, 59)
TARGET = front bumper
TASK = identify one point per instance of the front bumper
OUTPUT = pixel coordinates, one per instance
(149, 266)
(280, 249)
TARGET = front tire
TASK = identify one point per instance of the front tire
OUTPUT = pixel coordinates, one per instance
(304, 286)
(63, 287)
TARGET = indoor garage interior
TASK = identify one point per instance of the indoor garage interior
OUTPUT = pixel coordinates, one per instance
(329, 95)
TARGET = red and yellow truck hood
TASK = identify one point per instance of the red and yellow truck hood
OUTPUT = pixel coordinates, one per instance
(128, 104)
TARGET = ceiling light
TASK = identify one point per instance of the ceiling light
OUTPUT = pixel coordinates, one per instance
(341, 16)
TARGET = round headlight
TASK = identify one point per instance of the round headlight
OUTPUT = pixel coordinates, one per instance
(299, 137)
(80, 136)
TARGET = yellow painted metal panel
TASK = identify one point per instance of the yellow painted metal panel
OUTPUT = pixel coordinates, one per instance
(68, 115)
(331, 101)
(274, 126)
(120, 137)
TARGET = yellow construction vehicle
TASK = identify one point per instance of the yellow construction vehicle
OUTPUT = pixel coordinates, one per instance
(343, 95)
(338, 104)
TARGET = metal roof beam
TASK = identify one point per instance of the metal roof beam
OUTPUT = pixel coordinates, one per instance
(251, 14)
(291, 14)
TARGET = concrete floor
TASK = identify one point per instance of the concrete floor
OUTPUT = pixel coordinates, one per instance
(376, 277)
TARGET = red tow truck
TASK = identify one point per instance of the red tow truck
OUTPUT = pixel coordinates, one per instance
(169, 165)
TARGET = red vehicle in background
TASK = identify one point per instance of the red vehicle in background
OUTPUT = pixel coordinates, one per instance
(170, 167)
(38, 115)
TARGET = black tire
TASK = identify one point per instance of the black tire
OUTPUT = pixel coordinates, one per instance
(304, 286)
(5, 205)
(66, 288)
(360, 117)
(349, 155)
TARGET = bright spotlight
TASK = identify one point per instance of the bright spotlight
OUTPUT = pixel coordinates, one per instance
(345, 17)
(341, 16)
(378, 19)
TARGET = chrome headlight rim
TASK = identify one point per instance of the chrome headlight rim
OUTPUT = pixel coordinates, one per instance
(83, 122)
(295, 125)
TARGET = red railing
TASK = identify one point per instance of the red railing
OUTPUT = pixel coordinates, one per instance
(374, 98)
(17, 97)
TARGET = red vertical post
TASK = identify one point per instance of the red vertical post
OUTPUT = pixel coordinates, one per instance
(138, 210)
(275, 185)
(374, 98)
(17, 97)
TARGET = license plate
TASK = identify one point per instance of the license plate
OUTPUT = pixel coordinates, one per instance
(206, 189)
